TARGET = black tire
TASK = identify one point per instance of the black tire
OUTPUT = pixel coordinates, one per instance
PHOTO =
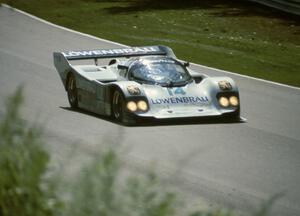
(118, 106)
(72, 91)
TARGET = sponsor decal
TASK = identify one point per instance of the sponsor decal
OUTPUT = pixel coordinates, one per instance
(133, 90)
(180, 100)
(104, 52)
(225, 85)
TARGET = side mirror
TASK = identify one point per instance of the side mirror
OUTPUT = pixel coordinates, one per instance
(186, 64)
(122, 67)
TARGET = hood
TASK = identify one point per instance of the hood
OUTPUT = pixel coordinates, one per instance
(176, 99)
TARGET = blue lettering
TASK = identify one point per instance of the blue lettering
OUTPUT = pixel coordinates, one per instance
(152, 101)
(157, 101)
(202, 99)
(178, 100)
(192, 99)
(166, 100)
(173, 100)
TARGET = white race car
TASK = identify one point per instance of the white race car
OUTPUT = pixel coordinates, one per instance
(144, 82)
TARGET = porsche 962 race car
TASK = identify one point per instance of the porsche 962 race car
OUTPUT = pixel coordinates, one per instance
(144, 82)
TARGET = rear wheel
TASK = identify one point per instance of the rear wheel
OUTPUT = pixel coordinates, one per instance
(118, 106)
(72, 91)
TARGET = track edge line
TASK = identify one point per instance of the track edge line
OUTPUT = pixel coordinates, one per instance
(119, 44)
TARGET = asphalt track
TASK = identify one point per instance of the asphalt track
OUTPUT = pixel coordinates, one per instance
(233, 165)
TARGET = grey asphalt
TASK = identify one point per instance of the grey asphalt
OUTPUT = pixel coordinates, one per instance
(233, 165)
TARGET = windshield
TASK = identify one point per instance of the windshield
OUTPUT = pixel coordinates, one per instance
(165, 72)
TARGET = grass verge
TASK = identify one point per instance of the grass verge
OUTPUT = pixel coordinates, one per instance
(233, 35)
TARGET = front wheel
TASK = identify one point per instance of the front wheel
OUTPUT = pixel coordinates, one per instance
(72, 91)
(118, 106)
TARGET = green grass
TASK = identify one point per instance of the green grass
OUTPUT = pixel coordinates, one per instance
(233, 35)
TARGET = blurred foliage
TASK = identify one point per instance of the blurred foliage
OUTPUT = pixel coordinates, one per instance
(23, 163)
(266, 206)
(214, 213)
(103, 191)
(103, 188)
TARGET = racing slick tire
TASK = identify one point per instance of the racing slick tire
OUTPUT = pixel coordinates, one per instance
(118, 106)
(72, 91)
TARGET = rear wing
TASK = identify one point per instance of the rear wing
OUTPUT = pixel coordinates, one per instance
(117, 53)
(62, 65)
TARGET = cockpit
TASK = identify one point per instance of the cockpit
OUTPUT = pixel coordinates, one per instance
(159, 71)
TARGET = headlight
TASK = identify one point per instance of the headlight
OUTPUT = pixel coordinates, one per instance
(131, 106)
(142, 105)
(234, 101)
(224, 102)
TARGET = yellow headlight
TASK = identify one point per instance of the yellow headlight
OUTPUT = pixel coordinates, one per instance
(234, 101)
(131, 106)
(142, 105)
(224, 102)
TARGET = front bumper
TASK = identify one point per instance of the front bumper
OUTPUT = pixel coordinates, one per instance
(190, 113)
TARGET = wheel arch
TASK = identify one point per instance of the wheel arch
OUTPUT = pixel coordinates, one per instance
(69, 74)
(72, 94)
(111, 90)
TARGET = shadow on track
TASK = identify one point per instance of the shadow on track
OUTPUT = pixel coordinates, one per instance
(150, 122)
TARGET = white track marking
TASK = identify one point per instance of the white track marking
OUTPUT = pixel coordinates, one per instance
(246, 76)
(119, 44)
(243, 119)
